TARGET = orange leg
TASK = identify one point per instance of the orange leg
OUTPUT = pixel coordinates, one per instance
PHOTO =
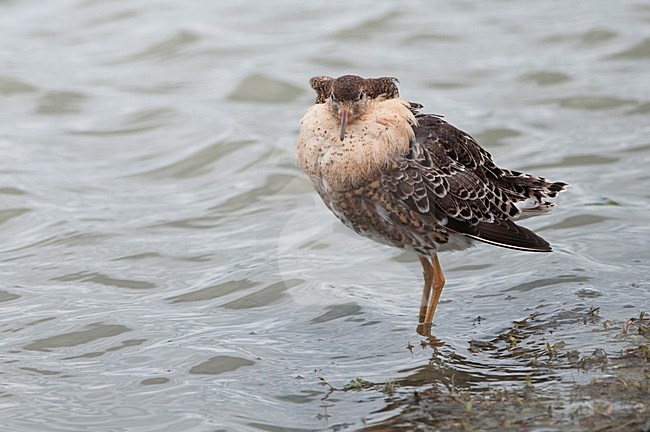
(428, 272)
(437, 285)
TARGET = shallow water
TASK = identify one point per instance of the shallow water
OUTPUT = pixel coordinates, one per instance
(166, 267)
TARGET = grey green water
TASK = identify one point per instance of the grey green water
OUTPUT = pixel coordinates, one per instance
(165, 266)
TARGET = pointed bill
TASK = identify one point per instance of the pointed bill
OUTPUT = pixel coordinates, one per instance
(345, 113)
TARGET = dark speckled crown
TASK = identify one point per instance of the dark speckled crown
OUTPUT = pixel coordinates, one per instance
(348, 87)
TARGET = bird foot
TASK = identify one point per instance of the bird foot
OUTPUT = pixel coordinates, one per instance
(424, 329)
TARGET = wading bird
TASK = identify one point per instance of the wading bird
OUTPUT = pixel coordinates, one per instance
(412, 180)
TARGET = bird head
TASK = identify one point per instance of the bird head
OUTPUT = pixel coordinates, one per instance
(348, 100)
(348, 96)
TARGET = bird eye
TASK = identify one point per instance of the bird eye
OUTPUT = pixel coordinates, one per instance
(360, 96)
(334, 98)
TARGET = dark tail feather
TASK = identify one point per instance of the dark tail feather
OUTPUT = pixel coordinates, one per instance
(520, 186)
(504, 233)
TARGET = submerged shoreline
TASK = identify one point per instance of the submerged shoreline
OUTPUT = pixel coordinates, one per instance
(611, 394)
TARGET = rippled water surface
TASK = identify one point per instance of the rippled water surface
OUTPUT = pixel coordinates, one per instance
(166, 267)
